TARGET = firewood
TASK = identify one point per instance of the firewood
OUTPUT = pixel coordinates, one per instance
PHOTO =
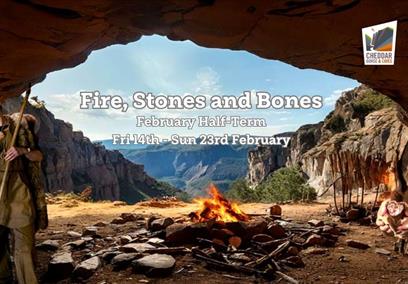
(223, 265)
(264, 259)
(235, 241)
(217, 246)
(170, 250)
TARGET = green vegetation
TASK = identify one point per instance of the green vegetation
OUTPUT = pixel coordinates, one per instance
(286, 184)
(239, 190)
(336, 124)
(371, 101)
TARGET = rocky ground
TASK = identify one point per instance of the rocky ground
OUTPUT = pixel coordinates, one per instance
(340, 264)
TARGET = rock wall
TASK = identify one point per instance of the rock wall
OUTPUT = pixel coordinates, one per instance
(364, 150)
(48, 35)
(72, 162)
(363, 158)
(263, 160)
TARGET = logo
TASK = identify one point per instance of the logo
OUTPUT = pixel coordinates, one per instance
(379, 43)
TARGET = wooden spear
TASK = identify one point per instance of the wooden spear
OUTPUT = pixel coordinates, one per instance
(12, 143)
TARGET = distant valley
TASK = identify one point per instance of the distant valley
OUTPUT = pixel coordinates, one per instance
(190, 167)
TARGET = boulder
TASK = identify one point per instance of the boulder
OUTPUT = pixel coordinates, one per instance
(177, 233)
(357, 244)
(125, 239)
(118, 221)
(129, 217)
(154, 265)
(87, 268)
(74, 234)
(136, 247)
(49, 245)
(161, 224)
(314, 240)
(315, 223)
(123, 260)
(90, 232)
(60, 266)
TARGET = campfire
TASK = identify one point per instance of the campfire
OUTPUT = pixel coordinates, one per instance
(217, 208)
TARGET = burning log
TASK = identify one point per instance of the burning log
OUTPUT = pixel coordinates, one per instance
(217, 208)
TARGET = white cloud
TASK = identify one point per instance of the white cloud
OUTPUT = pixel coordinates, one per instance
(331, 100)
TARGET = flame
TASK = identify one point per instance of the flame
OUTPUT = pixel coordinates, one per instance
(217, 208)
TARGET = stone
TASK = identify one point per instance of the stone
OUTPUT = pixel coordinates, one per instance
(262, 238)
(90, 232)
(276, 231)
(315, 223)
(314, 240)
(353, 214)
(61, 265)
(331, 230)
(150, 220)
(78, 244)
(275, 210)
(136, 247)
(129, 217)
(101, 224)
(154, 265)
(138, 233)
(87, 268)
(357, 244)
(74, 234)
(123, 260)
(161, 224)
(118, 221)
(314, 251)
(125, 239)
(155, 241)
(382, 251)
(109, 255)
(49, 245)
(177, 233)
(293, 251)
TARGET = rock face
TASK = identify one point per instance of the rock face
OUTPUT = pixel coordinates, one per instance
(306, 34)
(366, 149)
(264, 160)
(72, 162)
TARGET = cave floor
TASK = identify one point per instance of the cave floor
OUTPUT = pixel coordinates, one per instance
(358, 266)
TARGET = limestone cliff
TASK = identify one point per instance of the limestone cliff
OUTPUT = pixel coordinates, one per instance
(72, 162)
(264, 160)
(362, 145)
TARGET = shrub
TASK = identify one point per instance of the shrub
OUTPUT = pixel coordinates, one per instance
(286, 184)
(336, 124)
(239, 190)
(371, 101)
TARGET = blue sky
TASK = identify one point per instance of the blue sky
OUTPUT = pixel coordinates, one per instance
(156, 64)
